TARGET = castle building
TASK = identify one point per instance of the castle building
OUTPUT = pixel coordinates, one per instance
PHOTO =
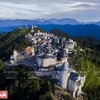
(71, 44)
(65, 47)
(52, 53)
(46, 60)
(70, 80)
(64, 72)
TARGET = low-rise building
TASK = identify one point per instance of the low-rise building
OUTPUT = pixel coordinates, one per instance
(20, 55)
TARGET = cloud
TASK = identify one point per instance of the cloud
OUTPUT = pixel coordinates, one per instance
(27, 9)
(47, 1)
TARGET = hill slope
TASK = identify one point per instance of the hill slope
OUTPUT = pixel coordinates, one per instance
(14, 40)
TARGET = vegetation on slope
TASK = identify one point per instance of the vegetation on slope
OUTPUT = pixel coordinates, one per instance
(60, 33)
(84, 64)
(14, 40)
(87, 61)
(24, 88)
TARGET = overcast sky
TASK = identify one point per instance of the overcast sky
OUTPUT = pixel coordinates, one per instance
(81, 10)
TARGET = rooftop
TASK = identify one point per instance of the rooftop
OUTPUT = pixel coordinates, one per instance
(65, 67)
(73, 76)
(62, 54)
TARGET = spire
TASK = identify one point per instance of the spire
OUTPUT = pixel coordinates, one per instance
(62, 54)
(65, 45)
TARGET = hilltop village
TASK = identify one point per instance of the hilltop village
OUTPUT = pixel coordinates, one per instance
(48, 56)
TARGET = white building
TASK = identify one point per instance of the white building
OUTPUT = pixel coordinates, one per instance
(70, 80)
(71, 44)
(63, 73)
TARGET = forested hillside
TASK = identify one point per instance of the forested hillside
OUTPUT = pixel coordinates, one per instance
(14, 40)
(85, 62)
(23, 88)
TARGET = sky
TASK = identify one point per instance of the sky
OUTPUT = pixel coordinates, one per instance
(81, 10)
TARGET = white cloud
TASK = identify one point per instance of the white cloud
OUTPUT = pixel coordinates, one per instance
(29, 10)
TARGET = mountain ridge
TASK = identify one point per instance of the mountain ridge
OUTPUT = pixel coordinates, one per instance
(72, 30)
(76, 30)
(18, 22)
(63, 21)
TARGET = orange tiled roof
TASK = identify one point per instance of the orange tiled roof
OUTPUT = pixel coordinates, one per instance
(28, 49)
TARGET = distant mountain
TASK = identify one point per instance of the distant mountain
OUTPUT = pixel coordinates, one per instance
(8, 29)
(67, 25)
(72, 30)
(60, 33)
(76, 30)
(21, 22)
(1, 32)
(96, 23)
(62, 21)
(18, 22)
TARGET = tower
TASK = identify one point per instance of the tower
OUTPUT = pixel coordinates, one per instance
(64, 72)
(32, 30)
(65, 47)
(15, 54)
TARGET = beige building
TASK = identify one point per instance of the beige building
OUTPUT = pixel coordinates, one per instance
(46, 60)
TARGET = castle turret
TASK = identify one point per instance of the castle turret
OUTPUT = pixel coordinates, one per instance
(64, 72)
(65, 47)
